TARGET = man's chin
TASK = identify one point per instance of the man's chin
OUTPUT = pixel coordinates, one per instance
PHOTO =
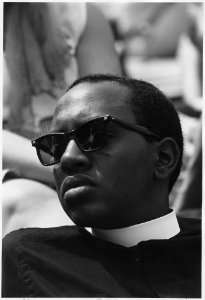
(86, 216)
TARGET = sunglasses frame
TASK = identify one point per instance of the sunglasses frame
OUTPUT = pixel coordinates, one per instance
(68, 135)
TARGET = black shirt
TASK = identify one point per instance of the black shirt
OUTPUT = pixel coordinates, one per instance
(69, 262)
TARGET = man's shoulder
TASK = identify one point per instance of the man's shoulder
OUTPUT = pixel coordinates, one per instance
(31, 236)
(189, 227)
(37, 231)
(175, 264)
(184, 245)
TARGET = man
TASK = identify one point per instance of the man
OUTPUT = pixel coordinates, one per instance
(116, 146)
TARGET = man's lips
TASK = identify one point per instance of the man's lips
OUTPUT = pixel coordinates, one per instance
(71, 182)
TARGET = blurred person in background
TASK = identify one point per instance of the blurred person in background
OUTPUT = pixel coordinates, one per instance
(46, 47)
(147, 36)
(149, 29)
(188, 202)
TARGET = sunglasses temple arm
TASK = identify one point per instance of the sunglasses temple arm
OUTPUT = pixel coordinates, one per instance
(137, 128)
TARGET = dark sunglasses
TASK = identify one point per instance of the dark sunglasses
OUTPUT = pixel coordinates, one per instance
(89, 136)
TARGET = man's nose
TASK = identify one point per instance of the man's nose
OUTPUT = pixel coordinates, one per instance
(74, 159)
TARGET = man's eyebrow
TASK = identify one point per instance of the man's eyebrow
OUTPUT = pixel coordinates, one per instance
(53, 131)
(84, 119)
(61, 130)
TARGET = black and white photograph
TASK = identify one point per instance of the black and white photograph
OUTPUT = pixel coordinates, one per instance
(102, 117)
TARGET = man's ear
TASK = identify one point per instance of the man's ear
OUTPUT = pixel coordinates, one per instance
(167, 158)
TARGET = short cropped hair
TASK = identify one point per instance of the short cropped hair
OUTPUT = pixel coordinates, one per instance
(151, 108)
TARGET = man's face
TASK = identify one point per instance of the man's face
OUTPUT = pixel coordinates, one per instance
(111, 187)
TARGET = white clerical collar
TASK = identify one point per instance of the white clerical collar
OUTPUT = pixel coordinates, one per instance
(164, 227)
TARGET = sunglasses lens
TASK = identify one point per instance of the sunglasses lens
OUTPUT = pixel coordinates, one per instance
(91, 135)
(51, 148)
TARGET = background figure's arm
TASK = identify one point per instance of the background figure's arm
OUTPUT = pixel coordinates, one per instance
(189, 59)
(96, 52)
(20, 155)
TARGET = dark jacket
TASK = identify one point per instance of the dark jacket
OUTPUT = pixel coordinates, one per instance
(69, 262)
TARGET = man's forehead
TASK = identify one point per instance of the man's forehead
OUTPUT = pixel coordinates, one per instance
(96, 92)
(87, 100)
